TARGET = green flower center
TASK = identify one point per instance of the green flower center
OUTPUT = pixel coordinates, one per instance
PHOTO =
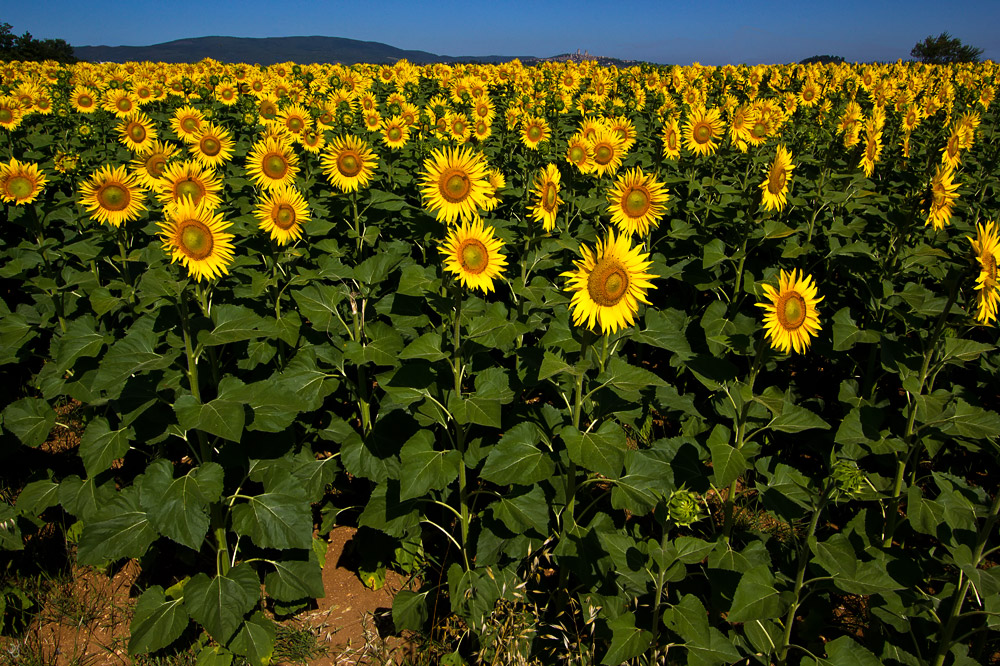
(137, 132)
(113, 197)
(349, 165)
(190, 124)
(284, 217)
(550, 198)
(474, 256)
(791, 310)
(776, 179)
(195, 239)
(155, 164)
(603, 154)
(19, 187)
(702, 133)
(455, 186)
(535, 133)
(608, 283)
(275, 166)
(210, 146)
(6, 115)
(189, 188)
(637, 202)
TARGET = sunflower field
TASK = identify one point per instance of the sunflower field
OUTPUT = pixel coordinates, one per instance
(691, 365)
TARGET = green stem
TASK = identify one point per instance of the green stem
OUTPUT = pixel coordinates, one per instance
(741, 428)
(458, 370)
(892, 516)
(958, 598)
(217, 510)
(123, 251)
(660, 576)
(363, 398)
(804, 554)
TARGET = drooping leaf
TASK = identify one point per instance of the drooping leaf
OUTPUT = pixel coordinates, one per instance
(219, 603)
(100, 446)
(30, 419)
(157, 622)
(602, 451)
(274, 520)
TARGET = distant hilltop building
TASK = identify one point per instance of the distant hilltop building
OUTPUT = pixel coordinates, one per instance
(585, 56)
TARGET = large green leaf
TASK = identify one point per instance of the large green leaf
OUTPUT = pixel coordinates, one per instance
(121, 529)
(157, 622)
(30, 419)
(100, 445)
(756, 598)
(292, 580)
(382, 348)
(274, 520)
(850, 574)
(426, 347)
(82, 498)
(629, 380)
(134, 354)
(255, 640)
(527, 509)
(728, 462)
(796, 419)
(37, 496)
(178, 508)
(220, 603)
(221, 417)
(318, 303)
(707, 646)
(233, 323)
(426, 468)
(518, 458)
(80, 340)
(409, 610)
(602, 451)
(627, 640)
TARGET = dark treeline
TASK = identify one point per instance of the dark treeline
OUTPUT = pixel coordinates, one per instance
(26, 47)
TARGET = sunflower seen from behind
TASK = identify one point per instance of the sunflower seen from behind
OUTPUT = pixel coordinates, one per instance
(987, 248)
(608, 284)
(545, 198)
(195, 236)
(271, 163)
(636, 202)
(348, 163)
(454, 183)
(112, 195)
(472, 254)
(790, 315)
(774, 189)
(281, 213)
(20, 182)
(942, 196)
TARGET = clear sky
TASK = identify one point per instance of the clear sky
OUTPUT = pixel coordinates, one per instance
(712, 33)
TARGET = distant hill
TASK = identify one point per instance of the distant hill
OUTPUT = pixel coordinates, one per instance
(271, 50)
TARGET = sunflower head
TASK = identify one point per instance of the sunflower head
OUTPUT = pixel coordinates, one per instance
(608, 284)
(112, 195)
(472, 254)
(195, 236)
(454, 183)
(20, 182)
(349, 163)
(636, 202)
(790, 316)
(281, 213)
(987, 248)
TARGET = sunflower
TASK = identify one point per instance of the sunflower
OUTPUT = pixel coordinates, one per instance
(473, 254)
(534, 131)
(349, 163)
(272, 163)
(672, 140)
(579, 153)
(227, 93)
(775, 187)
(312, 140)
(83, 99)
(212, 145)
(636, 202)
(20, 182)
(873, 149)
(496, 182)
(951, 154)
(186, 122)
(482, 129)
(294, 119)
(281, 213)
(112, 195)
(987, 247)
(454, 183)
(458, 126)
(149, 164)
(607, 151)
(120, 102)
(942, 197)
(136, 131)
(546, 197)
(790, 317)
(702, 129)
(395, 133)
(196, 237)
(625, 130)
(609, 283)
(190, 180)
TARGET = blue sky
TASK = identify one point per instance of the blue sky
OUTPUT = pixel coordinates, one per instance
(712, 33)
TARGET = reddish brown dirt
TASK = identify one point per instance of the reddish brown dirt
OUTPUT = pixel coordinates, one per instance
(85, 622)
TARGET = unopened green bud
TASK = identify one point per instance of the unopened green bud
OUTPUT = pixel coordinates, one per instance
(685, 507)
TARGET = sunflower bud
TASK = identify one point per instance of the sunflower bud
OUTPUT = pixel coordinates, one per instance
(847, 478)
(684, 507)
